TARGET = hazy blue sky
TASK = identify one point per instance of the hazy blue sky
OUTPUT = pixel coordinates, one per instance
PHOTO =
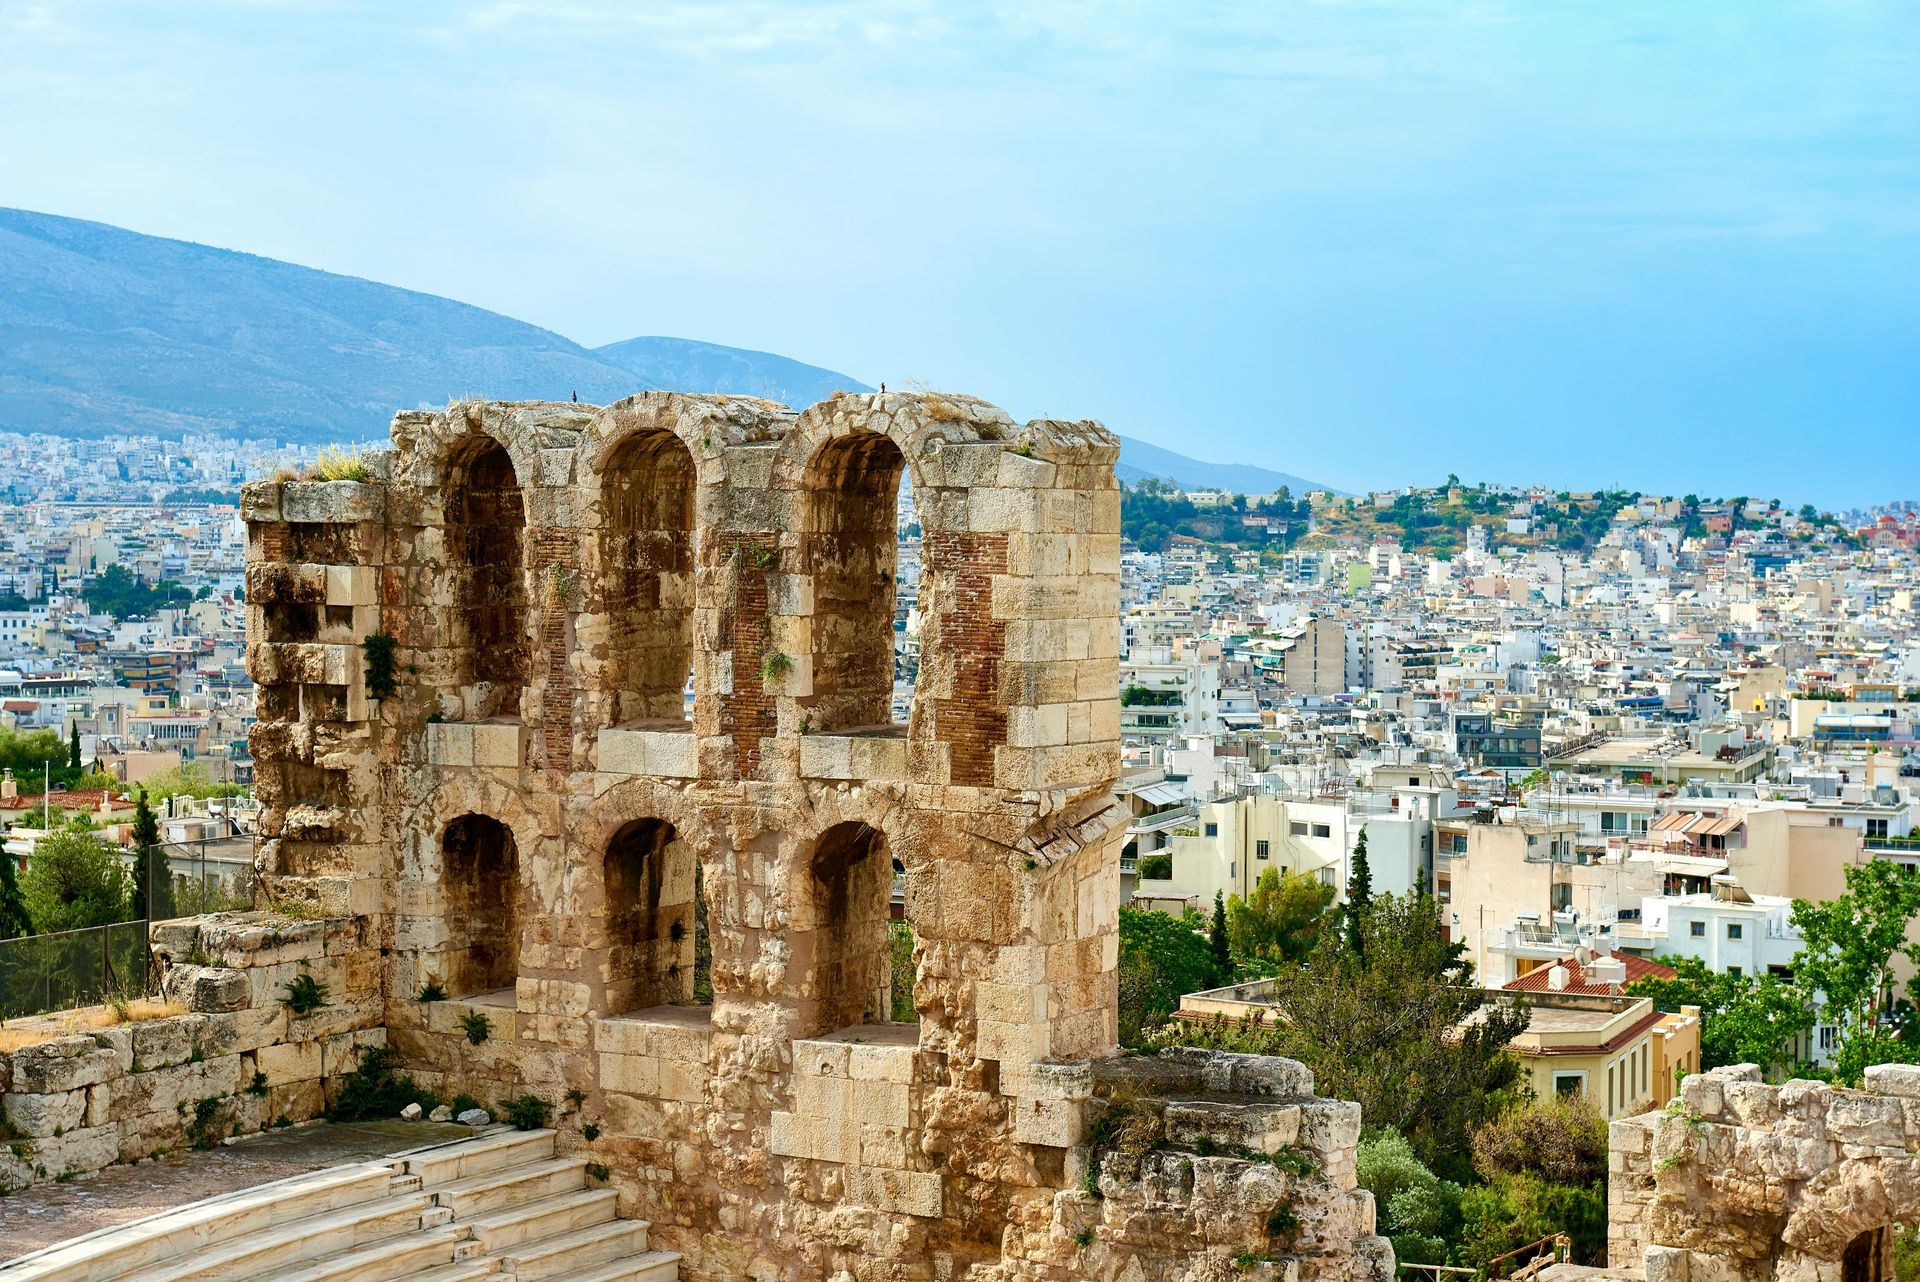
(1668, 244)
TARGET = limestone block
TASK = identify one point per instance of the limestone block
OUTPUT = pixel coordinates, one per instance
(1259, 1128)
(1863, 1119)
(497, 746)
(289, 1062)
(162, 1043)
(118, 1039)
(1894, 1079)
(1703, 1093)
(332, 502)
(826, 756)
(879, 1103)
(1057, 1123)
(260, 502)
(89, 1149)
(449, 743)
(790, 1136)
(871, 1063)
(915, 1193)
(44, 1115)
(1329, 1126)
(630, 1074)
(63, 1064)
(682, 1081)
(352, 585)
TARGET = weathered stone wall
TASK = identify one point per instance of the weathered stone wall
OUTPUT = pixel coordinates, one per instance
(237, 1061)
(1742, 1180)
(523, 821)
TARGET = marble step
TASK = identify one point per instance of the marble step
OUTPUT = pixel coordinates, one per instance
(654, 1266)
(495, 1151)
(568, 1253)
(546, 1218)
(274, 1251)
(499, 1190)
(128, 1250)
(401, 1257)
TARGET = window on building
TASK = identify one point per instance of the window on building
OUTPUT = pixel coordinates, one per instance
(1569, 1085)
(1326, 876)
(1261, 850)
(1735, 930)
(1735, 971)
(1876, 827)
(1322, 830)
(1213, 830)
(1296, 829)
(1697, 929)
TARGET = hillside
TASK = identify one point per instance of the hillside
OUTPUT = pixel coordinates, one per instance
(106, 330)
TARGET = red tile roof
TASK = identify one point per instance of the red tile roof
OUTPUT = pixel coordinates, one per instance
(82, 798)
(1535, 981)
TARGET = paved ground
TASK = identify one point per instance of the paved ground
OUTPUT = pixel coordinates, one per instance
(48, 1214)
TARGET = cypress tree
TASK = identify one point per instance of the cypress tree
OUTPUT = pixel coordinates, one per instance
(73, 748)
(1222, 953)
(1359, 894)
(152, 882)
(14, 919)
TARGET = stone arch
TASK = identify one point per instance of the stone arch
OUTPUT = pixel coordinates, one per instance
(631, 937)
(849, 552)
(840, 929)
(646, 554)
(649, 873)
(485, 534)
(481, 892)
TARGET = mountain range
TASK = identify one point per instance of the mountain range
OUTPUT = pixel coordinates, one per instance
(107, 330)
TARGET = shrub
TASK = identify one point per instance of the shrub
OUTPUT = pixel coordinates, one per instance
(527, 1112)
(598, 1173)
(1157, 867)
(305, 994)
(377, 1088)
(339, 463)
(590, 1131)
(476, 1026)
(378, 647)
(464, 1104)
(432, 992)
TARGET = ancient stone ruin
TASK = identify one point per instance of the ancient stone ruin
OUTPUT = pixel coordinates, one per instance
(1740, 1181)
(474, 746)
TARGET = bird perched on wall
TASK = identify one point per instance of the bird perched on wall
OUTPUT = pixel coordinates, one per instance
(576, 398)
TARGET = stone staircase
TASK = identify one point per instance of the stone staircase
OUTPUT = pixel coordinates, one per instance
(501, 1206)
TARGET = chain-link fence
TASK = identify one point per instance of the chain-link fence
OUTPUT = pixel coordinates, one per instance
(40, 973)
(209, 876)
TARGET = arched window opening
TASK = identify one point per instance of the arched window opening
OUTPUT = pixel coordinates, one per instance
(652, 918)
(854, 488)
(486, 527)
(852, 957)
(480, 879)
(647, 569)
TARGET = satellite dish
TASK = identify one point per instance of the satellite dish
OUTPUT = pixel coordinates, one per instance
(1583, 954)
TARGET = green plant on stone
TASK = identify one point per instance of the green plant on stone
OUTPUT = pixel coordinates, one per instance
(305, 994)
(575, 1096)
(258, 1086)
(1281, 1221)
(590, 1131)
(476, 1026)
(775, 666)
(527, 1112)
(1084, 1238)
(378, 648)
(598, 1172)
(431, 991)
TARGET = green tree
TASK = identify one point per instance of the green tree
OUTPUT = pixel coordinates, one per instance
(1544, 1165)
(1743, 1019)
(1402, 1028)
(1848, 957)
(152, 878)
(73, 749)
(1359, 894)
(1278, 924)
(1418, 1211)
(1162, 958)
(1218, 940)
(73, 881)
(15, 920)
